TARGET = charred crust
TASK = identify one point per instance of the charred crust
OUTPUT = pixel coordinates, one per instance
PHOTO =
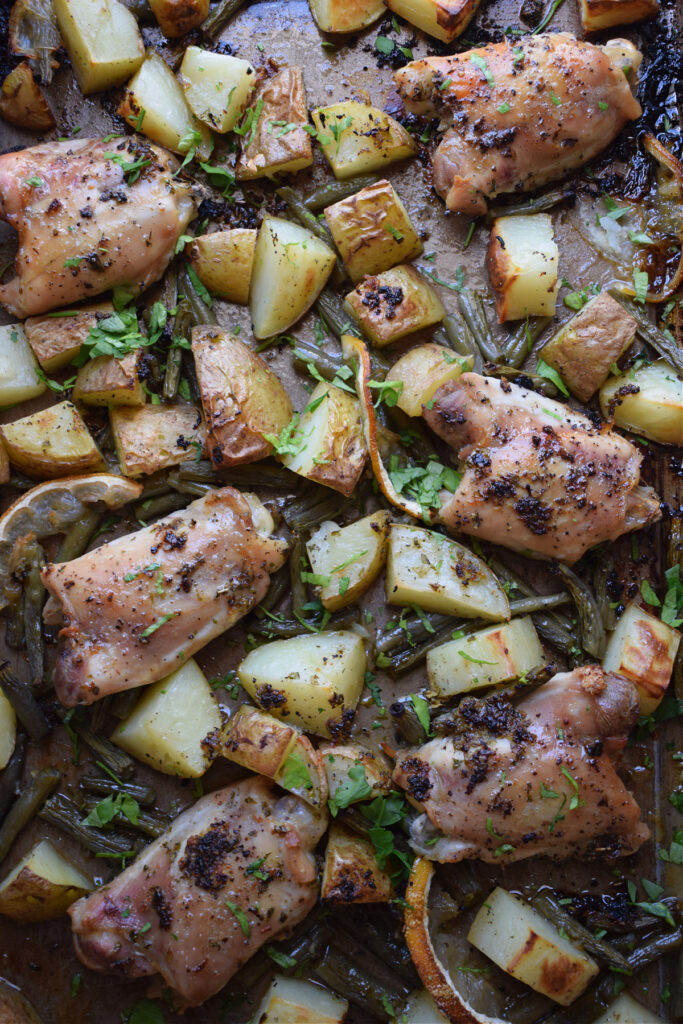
(268, 697)
(417, 783)
(204, 857)
(161, 907)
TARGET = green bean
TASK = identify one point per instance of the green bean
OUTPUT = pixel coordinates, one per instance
(192, 487)
(334, 191)
(555, 628)
(79, 536)
(150, 824)
(649, 950)
(34, 598)
(140, 8)
(409, 658)
(279, 587)
(14, 614)
(113, 757)
(538, 204)
(125, 701)
(24, 703)
(152, 508)
(412, 629)
(461, 340)
(10, 777)
(201, 313)
(520, 343)
(405, 718)
(300, 212)
(298, 589)
(174, 362)
(591, 629)
(102, 785)
(533, 381)
(663, 343)
(35, 791)
(603, 569)
(326, 365)
(302, 515)
(285, 628)
(64, 814)
(340, 970)
(474, 315)
(190, 373)
(200, 470)
(330, 307)
(383, 935)
(220, 16)
(549, 907)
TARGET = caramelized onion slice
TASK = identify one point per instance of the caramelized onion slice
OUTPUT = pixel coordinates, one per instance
(672, 170)
(33, 33)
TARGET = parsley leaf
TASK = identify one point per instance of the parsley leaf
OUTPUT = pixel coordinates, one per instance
(388, 391)
(641, 284)
(422, 711)
(479, 61)
(241, 917)
(354, 787)
(296, 774)
(122, 806)
(290, 439)
(551, 374)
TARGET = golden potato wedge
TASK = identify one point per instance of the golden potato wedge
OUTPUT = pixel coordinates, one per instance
(327, 444)
(42, 885)
(106, 381)
(643, 649)
(314, 680)
(351, 873)
(272, 142)
(646, 401)
(422, 371)
(223, 261)
(102, 40)
(597, 15)
(339, 760)
(22, 101)
(217, 86)
(627, 1010)
(295, 1001)
(154, 104)
(176, 17)
(444, 19)
(345, 15)
(347, 559)
(362, 139)
(257, 740)
(291, 267)
(522, 261)
(8, 730)
(56, 341)
(372, 230)
(153, 437)
(390, 305)
(19, 378)
(303, 774)
(50, 443)
(492, 655)
(585, 348)
(243, 399)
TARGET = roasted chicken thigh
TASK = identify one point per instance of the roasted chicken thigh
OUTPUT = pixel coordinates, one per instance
(517, 781)
(537, 477)
(524, 111)
(230, 874)
(90, 215)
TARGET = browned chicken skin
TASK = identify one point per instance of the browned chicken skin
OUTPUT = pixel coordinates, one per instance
(535, 777)
(525, 111)
(537, 477)
(135, 609)
(169, 912)
(83, 228)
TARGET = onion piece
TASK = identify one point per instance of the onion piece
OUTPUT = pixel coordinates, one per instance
(22, 101)
(33, 33)
(673, 165)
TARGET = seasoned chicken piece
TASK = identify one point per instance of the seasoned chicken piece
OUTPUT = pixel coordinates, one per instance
(135, 609)
(530, 779)
(525, 111)
(90, 215)
(537, 477)
(231, 873)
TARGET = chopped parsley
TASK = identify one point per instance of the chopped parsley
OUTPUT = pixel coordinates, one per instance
(146, 633)
(480, 62)
(355, 787)
(240, 916)
(551, 374)
(120, 806)
(422, 711)
(296, 774)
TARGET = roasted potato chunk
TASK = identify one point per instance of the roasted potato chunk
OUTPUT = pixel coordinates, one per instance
(349, 558)
(362, 139)
(643, 649)
(303, 774)
(102, 40)
(395, 303)
(493, 655)
(291, 267)
(351, 873)
(176, 17)
(295, 1001)
(338, 762)
(243, 399)
(422, 371)
(22, 101)
(107, 380)
(522, 261)
(585, 348)
(444, 19)
(223, 261)
(272, 145)
(372, 230)
(56, 341)
(50, 443)
(647, 401)
(217, 86)
(600, 14)
(42, 885)
(19, 379)
(345, 15)
(156, 436)
(328, 444)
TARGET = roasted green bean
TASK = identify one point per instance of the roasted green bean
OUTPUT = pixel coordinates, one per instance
(334, 191)
(663, 343)
(553, 627)
(361, 977)
(279, 587)
(405, 718)
(35, 791)
(174, 362)
(102, 785)
(34, 598)
(79, 536)
(461, 340)
(10, 777)
(413, 629)
(549, 907)
(537, 204)
(297, 587)
(64, 814)
(285, 628)
(113, 757)
(591, 629)
(300, 212)
(194, 488)
(24, 703)
(522, 340)
(125, 701)
(150, 824)
(152, 508)
(302, 516)
(602, 571)
(474, 315)
(329, 306)
(14, 614)
(532, 381)
(650, 949)
(201, 313)
(220, 16)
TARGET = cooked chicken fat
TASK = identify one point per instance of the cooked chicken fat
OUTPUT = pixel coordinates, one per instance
(136, 608)
(231, 873)
(530, 779)
(524, 111)
(90, 215)
(537, 477)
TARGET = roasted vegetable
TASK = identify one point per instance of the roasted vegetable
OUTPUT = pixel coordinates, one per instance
(345, 15)
(601, 14)
(22, 101)
(347, 559)
(295, 1001)
(481, 659)
(274, 140)
(174, 726)
(19, 378)
(156, 436)
(33, 33)
(585, 348)
(217, 86)
(445, 19)
(176, 17)
(34, 792)
(223, 261)
(42, 885)
(8, 731)
(102, 40)
(351, 873)
(359, 139)
(643, 649)
(625, 1009)
(244, 401)
(313, 680)
(107, 381)
(372, 230)
(393, 304)
(50, 443)
(343, 765)
(421, 372)
(522, 261)
(646, 400)
(56, 341)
